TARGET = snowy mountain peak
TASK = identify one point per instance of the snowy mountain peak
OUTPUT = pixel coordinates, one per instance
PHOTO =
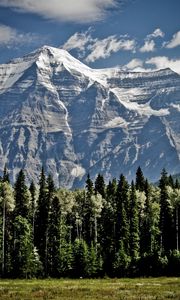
(56, 111)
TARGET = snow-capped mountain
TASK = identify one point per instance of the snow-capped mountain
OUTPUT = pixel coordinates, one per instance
(57, 112)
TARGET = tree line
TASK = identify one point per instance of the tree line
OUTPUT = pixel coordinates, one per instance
(116, 229)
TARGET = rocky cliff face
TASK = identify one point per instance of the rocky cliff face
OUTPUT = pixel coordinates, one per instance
(59, 113)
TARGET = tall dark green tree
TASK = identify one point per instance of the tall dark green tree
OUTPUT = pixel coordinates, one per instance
(122, 221)
(166, 217)
(41, 222)
(5, 174)
(54, 238)
(107, 232)
(22, 197)
(88, 223)
(33, 204)
(81, 258)
(23, 258)
(100, 186)
(134, 225)
(146, 225)
(6, 210)
(140, 180)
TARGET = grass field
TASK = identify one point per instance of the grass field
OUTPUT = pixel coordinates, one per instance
(91, 289)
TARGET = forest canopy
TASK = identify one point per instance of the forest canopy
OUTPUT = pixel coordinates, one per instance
(115, 229)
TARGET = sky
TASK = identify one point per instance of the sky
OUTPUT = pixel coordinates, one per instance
(136, 35)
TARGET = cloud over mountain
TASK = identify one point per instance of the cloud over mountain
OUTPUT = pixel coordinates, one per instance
(81, 11)
(175, 41)
(10, 37)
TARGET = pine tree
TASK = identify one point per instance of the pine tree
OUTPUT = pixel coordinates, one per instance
(100, 186)
(121, 262)
(177, 184)
(81, 258)
(92, 265)
(97, 203)
(107, 233)
(54, 238)
(23, 257)
(171, 181)
(41, 222)
(140, 181)
(134, 225)
(166, 217)
(50, 189)
(33, 204)
(145, 228)
(22, 196)
(5, 175)
(6, 208)
(174, 197)
(122, 206)
(88, 234)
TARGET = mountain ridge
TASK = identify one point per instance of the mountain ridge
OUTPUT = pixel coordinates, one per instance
(57, 112)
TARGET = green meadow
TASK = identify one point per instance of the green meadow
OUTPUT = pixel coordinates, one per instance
(92, 289)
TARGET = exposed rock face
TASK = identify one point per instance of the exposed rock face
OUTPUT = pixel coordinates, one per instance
(59, 113)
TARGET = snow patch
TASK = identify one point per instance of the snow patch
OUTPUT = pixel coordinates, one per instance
(127, 98)
(78, 171)
(117, 122)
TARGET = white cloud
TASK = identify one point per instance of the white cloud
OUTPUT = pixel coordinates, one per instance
(10, 37)
(148, 46)
(134, 63)
(156, 33)
(104, 48)
(64, 10)
(162, 62)
(174, 42)
(79, 41)
(7, 35)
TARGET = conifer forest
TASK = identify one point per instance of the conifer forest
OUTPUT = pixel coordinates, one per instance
(115, 229)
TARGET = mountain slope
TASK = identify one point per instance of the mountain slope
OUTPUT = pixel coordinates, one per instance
(58, 112)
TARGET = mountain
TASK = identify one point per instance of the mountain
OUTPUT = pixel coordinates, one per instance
(57, 112)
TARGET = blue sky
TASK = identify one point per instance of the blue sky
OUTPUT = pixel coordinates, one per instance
(138, 35)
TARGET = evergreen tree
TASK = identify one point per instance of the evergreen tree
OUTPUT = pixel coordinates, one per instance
(122, 223)
(166, 217)
(88, 233)
(23, 255)
(134, 225)
(177, 184)
(81, 258)
(174, 197)
(5, 175)
(6, 208)
(65, 258)
(100, 186)
(50, 189)
(92, 265)
(140, 181)
(171, 181)
(33, 203)
(41, 222)
(146, 224)
(108, 228)
(22, 196)
(54, 238)
(122, 261)
(89, 187)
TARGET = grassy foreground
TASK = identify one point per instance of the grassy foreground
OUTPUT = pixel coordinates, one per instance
(92, 289)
